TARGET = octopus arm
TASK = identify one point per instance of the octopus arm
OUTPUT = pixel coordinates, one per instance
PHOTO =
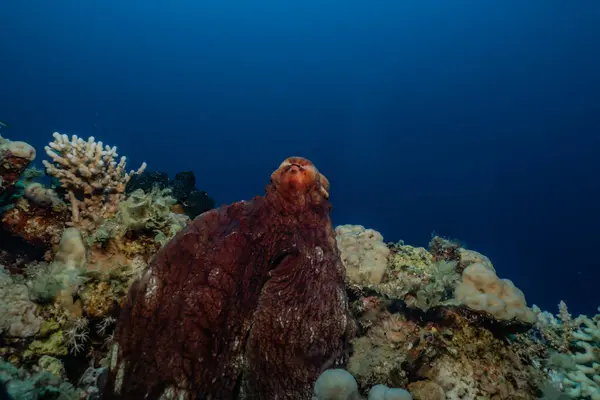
(184, 326)
(301, 325)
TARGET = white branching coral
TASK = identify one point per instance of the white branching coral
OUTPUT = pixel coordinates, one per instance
(77, 334)
(89, 172)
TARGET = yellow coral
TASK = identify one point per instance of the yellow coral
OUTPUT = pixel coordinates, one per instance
(409, 256)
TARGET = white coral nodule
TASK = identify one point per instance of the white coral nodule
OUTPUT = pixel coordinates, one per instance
(95, 182)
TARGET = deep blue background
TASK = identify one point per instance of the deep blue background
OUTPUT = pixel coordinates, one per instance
(477, 119)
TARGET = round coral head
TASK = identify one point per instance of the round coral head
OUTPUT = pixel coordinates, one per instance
(298, 176)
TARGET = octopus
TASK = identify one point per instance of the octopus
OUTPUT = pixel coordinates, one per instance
(247, 302)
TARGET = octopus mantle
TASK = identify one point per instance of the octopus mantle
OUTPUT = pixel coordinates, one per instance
(248, 301)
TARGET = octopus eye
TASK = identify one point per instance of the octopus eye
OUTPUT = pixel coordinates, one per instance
(324, 185)
(285, 163)
(279, 258)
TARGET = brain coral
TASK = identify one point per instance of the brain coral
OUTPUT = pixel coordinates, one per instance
(247, 301)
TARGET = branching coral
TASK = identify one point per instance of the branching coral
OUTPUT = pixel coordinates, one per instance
(576, 368)
(89, 172)
(585, 380)
(77, 334)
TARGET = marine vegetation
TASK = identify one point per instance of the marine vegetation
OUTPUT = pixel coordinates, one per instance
(127, 285)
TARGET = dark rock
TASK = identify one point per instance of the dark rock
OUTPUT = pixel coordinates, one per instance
(3, 393)
(15, 252)
(93, 381)
(183, 189)
(147, 180)
(11, 168)
(36, 224)
(196, 203)
(456, 316)
(183, 184)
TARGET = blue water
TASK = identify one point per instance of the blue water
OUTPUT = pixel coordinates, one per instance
(479, 120)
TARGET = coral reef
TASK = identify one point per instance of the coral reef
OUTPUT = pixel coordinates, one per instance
(445, 354)
(43, 384)
(259, 299)
(482, 290)
(243, 291)
(339, 384)
(89, 173)
(413, 276)
(191, 201)
(575, 363)
(65, 281)
(363, 253)
(15, 157)
(445, 249)
(38, 225)
(336, 384)
(382, 392)
(150, 212)
(414, 333)
(17, 312)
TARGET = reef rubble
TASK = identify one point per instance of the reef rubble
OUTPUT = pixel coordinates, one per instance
(117, 284)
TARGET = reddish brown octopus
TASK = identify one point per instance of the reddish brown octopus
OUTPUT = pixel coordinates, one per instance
(247, 302)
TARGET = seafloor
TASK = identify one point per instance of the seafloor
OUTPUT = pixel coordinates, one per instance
(427, 323)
